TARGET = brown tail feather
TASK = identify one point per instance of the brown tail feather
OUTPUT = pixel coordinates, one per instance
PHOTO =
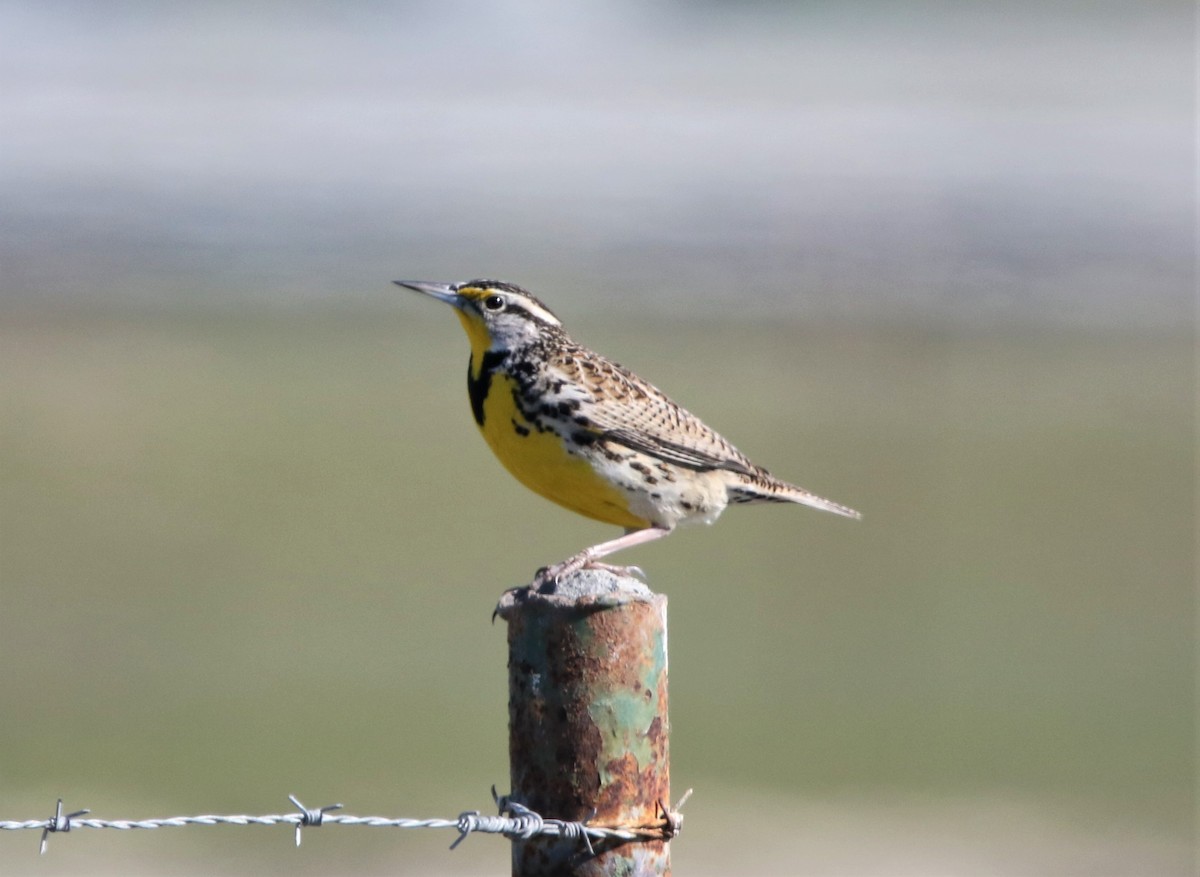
(767, 488)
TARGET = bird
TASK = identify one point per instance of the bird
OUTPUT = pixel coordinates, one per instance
(589, 434)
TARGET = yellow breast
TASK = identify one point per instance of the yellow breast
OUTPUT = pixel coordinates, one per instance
(540, 461)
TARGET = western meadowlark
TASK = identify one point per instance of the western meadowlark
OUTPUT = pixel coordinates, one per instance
(590, 435)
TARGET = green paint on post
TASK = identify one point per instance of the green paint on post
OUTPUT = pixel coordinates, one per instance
(588, 724)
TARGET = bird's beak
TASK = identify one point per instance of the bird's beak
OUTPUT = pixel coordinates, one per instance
(446, 292)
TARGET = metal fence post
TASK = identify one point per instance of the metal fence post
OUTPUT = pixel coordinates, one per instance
(587, 675)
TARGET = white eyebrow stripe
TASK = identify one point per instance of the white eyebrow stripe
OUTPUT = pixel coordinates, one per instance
(537, 311)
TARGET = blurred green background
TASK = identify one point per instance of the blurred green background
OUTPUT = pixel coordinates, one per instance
(935, 263)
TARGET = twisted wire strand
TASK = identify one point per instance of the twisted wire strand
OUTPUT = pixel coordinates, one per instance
(516, 822)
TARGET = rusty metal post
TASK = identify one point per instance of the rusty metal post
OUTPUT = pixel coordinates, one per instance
(587, 676)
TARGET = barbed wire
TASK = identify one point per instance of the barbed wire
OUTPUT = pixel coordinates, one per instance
(514, 821)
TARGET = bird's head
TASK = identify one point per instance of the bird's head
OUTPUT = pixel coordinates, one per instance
(496, 315)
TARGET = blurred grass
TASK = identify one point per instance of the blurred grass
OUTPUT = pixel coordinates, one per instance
(244, 555)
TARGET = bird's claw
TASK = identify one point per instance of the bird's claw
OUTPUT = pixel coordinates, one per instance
(546, 579)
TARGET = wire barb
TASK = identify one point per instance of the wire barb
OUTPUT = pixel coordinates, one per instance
(578, 831)
(315, 818)
(672, 818)
(473, 820)
(501, 801)
(59, 822)
(525, 822)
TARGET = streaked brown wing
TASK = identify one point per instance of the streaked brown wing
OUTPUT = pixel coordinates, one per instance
(670, 451)
(635, 414)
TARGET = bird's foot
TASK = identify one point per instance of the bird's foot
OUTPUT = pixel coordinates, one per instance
(547, 578)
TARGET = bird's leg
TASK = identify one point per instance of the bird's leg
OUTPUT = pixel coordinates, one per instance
(589, 557)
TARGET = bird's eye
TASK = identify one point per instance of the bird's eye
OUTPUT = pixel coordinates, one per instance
(493, 303)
